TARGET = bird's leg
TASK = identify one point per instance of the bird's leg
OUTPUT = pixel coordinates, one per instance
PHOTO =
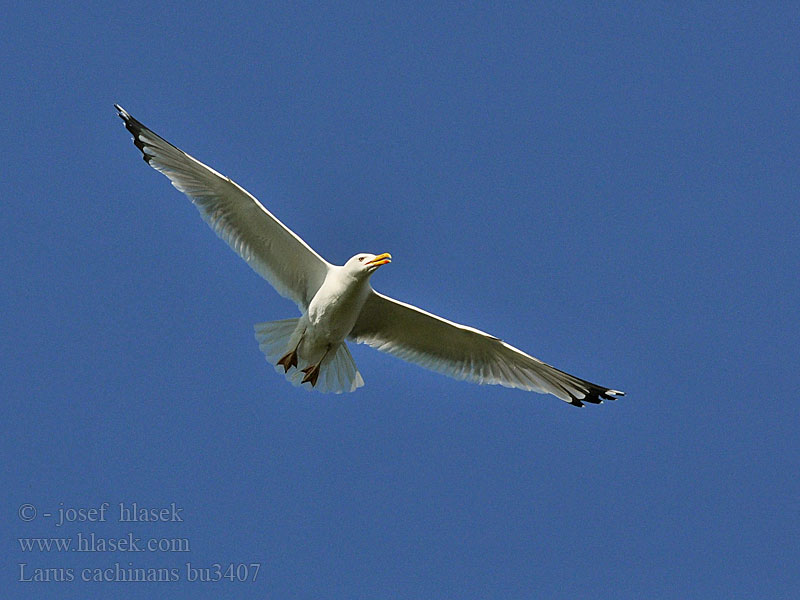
(312, 371)
(290, 359)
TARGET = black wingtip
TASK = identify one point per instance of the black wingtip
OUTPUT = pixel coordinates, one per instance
(127, 118)
(122, 113)
(135, 128)
(596, 396)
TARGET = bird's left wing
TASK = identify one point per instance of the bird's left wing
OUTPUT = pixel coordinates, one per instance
(463, 352)
(273, 250)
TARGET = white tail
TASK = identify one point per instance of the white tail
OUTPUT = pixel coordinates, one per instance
(338, 372)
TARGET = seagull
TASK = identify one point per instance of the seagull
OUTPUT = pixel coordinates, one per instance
(337, 303)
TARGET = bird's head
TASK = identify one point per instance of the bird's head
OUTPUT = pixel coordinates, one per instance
(367, 264)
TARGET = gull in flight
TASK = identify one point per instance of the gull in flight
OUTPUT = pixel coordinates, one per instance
(337, 303)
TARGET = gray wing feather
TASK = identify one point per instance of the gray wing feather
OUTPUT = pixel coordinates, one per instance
(463, 352)
(273, 250)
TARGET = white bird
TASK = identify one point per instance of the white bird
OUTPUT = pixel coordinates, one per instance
(338, 303)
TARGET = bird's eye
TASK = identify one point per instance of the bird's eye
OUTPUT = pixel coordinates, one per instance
(361, 258)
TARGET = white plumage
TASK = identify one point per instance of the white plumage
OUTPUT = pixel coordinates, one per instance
(338, 303)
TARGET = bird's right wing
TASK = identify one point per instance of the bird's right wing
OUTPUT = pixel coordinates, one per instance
(273, 250)
(463, 352)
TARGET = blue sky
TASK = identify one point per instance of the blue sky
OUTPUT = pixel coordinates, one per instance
(613, 189)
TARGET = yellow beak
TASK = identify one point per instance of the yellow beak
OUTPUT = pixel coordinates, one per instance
(381, 259)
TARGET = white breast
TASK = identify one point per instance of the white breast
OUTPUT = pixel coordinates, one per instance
(334, 309)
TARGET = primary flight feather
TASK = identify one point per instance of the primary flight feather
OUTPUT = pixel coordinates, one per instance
(337, 303)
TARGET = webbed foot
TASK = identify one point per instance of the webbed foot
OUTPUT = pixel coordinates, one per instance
(288, 361)
(312, 374)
